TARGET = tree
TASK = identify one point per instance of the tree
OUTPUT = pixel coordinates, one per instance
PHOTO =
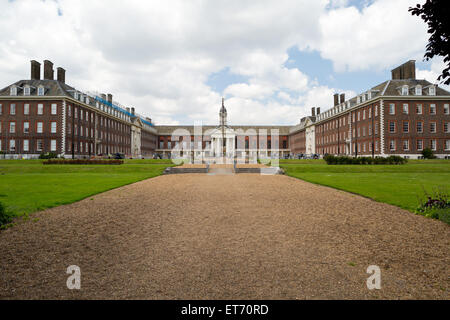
(427, 153)
(436, 14)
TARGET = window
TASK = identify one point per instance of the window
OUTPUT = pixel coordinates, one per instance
(432, 108)
(26, 145)
(370, 113)
(1, 109)
(12, 109)
(54, 108)
(433, 127)
(405, 145)
(404, 90)
(432, 91)
(364, 114)
(169, 144)
(161, 144)
(53, 127)
(405, 108)
(376, 110)
(376, 145)
(52, 145)
(26, 91)
(446, 109)
(39, 127)
(391, 108)
(433, 145)
(447, 145)
(76, 112)
(40, 109)
(419, 145)
(13, 91)
(419, 126)
(392, 127)
(40, 91)
(447, 127)
(418, 108)
(376, 128)
(418, 90)
(69, 110)
(364, 131)
(39, 145)
(26, 108)
(12, 145)
(26, 127)
(392, 145)
(405, 126)
(359, 116)
(81, 114)
(370, 129)
(12, 127)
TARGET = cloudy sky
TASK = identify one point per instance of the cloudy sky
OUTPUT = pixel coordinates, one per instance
(173, 60)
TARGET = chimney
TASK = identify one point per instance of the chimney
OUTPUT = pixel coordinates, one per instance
(48, 70)
(61, 74)
(35, 70)
(132, 111)
(313, 112)
(342, 98)
(336, 99)
(405, 71)
(318, 110)
(109, 98)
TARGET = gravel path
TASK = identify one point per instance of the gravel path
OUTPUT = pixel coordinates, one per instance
(196, 236)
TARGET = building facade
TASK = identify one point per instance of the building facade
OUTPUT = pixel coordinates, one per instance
(401, 116)
(47, 115)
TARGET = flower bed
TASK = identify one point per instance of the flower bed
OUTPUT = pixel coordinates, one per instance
(83, 161)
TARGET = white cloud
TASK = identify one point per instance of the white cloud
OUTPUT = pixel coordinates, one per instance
(157, 55)
(382, 35)
(437, 65)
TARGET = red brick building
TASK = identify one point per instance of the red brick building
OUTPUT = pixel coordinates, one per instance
(401, 116)
(47, 115)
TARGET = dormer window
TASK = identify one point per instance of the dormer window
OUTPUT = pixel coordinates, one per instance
(26, 91)
(418, 90)
(405, 90)
(432, 91)
(13, 91)
(75, 95)
(40, 91)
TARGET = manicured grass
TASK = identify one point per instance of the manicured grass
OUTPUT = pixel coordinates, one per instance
(28, 185)
(400, 185)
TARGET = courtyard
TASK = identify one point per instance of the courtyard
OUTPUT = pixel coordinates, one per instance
(243, 236)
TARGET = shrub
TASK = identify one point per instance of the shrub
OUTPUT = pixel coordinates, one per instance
(427, 153)
(330, 159)
(436, 205)
(83, 161)
(5, 217)
(48, 155)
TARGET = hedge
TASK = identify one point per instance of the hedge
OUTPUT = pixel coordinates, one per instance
(83, 161)
(330, 159)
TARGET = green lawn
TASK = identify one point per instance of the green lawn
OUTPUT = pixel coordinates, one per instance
(28, 185)
(400, 185)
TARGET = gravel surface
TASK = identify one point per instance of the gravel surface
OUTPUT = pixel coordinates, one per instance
(197, 236)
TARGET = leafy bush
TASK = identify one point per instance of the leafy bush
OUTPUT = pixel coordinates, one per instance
(330, 159)
(48, 155)
(436, 205)
(5, 217)
(427, 153)
(83, 161)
